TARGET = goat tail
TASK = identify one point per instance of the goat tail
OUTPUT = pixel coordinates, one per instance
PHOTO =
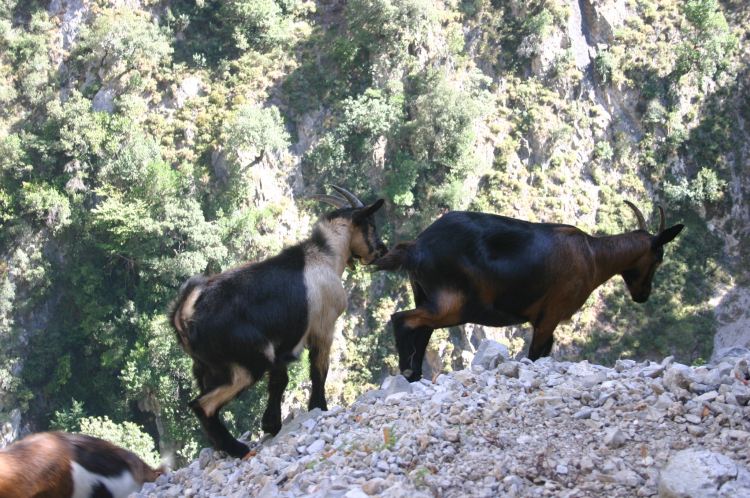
(398, 258)
(182, 309)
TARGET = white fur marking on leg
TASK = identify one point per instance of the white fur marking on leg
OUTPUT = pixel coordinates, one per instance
(270, 352)
(84, 483)
(213, 400)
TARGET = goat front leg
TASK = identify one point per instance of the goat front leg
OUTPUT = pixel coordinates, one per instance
(542, 340)
(278, 378)
(320, 351)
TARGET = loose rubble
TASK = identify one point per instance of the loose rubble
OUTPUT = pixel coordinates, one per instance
(545, 428)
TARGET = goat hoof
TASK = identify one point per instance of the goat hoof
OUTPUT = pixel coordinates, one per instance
(271, 427)
(411, 375)
(236, 449)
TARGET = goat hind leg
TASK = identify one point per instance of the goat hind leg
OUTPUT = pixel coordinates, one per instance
(405, 344)
(411, 343)
(218, 434)
(421, 339)
(319, 358)
(278, 378)
(217, 391)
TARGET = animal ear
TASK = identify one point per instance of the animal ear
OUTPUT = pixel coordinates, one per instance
(368, 210)
(669, 234)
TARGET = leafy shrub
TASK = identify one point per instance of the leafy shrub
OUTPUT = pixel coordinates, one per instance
(390, 26)
(604, 65)
(45, 204)
(121, 41)
(704, 188)
(29, 56)
(402, 177)
(252, 130)
(79, 132)
(132, 167)
(440, 130)
(603, 151)
(711, 42)
(373, 113)
(540, 24)
(655, 114)
(258, 23)
(126, 435)
(69, 419)
(345, 154)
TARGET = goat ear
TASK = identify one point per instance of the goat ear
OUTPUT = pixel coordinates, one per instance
(368, 210)
(669, 234)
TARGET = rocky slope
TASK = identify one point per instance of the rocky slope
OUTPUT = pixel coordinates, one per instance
(508, 428)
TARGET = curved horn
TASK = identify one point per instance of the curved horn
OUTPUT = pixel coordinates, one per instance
(329, 199)
(349, 196)
(662, 221)
(639, 215)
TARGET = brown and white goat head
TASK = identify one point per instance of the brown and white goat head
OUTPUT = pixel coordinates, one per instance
(365, 244)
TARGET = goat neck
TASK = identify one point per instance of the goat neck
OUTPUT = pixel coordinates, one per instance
(614, 254)
(337, 233)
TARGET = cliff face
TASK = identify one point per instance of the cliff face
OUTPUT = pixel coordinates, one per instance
(507, 428)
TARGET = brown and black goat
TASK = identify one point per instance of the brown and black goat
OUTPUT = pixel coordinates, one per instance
(62, 465)
(259, 316)
(491, 270)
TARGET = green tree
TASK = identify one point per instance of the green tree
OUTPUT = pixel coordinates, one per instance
(710, 43)
(125, 47)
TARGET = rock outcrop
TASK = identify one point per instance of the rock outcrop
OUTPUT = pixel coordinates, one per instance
(703, 473)
(523, 429)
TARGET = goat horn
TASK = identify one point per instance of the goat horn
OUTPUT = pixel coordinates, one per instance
(329, 199)
(639, 215)
(349, 196)
(662, 221)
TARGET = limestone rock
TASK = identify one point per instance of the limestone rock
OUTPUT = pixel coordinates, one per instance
(694, 473)
(189, 88)
(489, 354)
(104, 100)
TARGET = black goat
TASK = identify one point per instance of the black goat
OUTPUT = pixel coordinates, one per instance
(259, 316)
(487, 269)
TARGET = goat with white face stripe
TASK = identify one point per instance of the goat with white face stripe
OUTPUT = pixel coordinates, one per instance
(258, 317)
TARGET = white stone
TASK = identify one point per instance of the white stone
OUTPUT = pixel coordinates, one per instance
(614, 438)
(489, 354)
(703, 474)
